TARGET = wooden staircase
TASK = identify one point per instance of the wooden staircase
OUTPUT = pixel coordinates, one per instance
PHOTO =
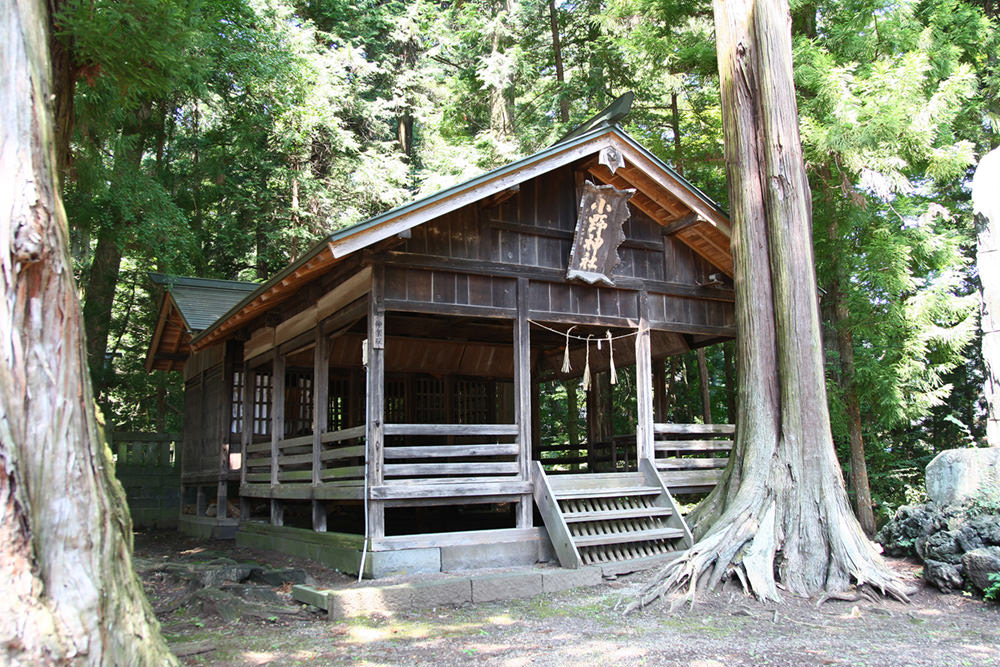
(603, 517)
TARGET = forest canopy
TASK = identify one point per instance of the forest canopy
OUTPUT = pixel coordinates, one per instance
(220, 138)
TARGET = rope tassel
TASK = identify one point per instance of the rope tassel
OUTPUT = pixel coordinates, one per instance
(586, 368)
(611, 358)
(566, 366)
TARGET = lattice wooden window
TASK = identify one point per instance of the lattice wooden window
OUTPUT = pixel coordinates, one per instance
(298, 402)
(236, 412)
(262, 402)
(395, 400)
(472, 400)
(338, 411)
(428, 399)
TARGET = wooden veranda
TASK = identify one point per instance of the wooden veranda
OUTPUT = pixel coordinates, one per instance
(380, 394)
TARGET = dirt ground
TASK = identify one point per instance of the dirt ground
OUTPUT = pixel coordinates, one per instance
(580, 627)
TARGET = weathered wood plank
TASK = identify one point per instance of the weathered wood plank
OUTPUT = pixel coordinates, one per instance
(450, 469)
(522, 394)
(458, 539)
(375, 391)
(644, 383)
(451, 429)
(343, 434)
(548, 506)
(277, 413)
(693, 445)
(450, 451)
(694, 429)
(676, 463)
(343, 453)
(340, 473)
(458, 489)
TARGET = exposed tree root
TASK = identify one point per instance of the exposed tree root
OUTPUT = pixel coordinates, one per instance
(745, 545)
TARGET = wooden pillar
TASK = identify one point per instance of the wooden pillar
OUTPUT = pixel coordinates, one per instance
(375, 391)
(224, 417)
(536, 421)
(659, 392)
(277, 429)
(522, 397)
(644, 384)
(321, 390)
(247, 438)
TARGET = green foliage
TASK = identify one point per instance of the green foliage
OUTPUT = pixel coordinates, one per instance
(992, 591)
(222, 137)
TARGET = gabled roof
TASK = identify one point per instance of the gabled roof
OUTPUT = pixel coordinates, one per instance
(189, 306)
(687, 213)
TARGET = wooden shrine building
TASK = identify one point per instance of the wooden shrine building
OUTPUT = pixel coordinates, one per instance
(379, 396)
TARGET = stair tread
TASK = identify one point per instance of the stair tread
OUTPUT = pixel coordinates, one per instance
(605, 515)
(572, 494)
(631, 536)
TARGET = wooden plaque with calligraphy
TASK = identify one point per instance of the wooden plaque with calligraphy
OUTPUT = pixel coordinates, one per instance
(603, 211)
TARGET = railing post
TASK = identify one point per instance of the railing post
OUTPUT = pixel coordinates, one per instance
(375, 378)
(644, 383)
(277, 429)
(249, 387)
(522, 397)
(321, 388)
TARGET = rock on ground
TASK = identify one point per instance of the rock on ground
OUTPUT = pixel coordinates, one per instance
(958, 475)
(979, 564)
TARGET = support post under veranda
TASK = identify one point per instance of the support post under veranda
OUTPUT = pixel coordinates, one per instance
(780, 517)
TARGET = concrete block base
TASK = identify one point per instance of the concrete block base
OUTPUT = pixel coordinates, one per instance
(207, 528)
(556, 580)
(506, 586)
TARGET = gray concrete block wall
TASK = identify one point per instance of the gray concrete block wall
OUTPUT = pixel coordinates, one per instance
(153, 494)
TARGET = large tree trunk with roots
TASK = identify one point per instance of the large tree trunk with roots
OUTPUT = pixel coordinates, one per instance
(781, 517)
(70, 594)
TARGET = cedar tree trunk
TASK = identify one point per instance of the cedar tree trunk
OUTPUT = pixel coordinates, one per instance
(69, 592)
(986, 203)
(780, 516)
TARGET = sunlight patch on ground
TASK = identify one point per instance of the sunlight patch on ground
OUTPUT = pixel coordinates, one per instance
(259, 657)
(502, 619)
(929, 612)
(980, 652)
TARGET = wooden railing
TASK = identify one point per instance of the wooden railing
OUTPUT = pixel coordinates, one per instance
(258, 463)
(342, 457)
(145, 449)
(450, 453)
(692, 457)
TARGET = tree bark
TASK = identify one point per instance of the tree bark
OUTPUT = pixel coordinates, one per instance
(102, 277)
(501, 95)
(66, 578)
(848, 382)
(986, 203)
(780, 515)
(557, 57)
(727, 356)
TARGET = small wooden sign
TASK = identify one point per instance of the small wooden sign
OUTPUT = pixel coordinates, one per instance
(594, 255)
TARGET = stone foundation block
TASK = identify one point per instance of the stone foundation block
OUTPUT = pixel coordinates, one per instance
(441, 593)
(554, 581)
(405, 561)
(475, 556)
(506, 586)
(385, 600)
(310, 595)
